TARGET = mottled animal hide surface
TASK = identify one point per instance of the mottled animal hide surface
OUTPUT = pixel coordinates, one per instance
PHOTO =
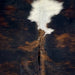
(37, 37)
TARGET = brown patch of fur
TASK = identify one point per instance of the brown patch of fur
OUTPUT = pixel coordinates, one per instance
(65, 40)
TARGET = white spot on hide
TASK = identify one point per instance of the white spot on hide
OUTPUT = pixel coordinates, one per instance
(42, 12)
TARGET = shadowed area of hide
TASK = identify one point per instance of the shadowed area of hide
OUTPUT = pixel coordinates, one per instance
(15, 31)
(60, 44)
